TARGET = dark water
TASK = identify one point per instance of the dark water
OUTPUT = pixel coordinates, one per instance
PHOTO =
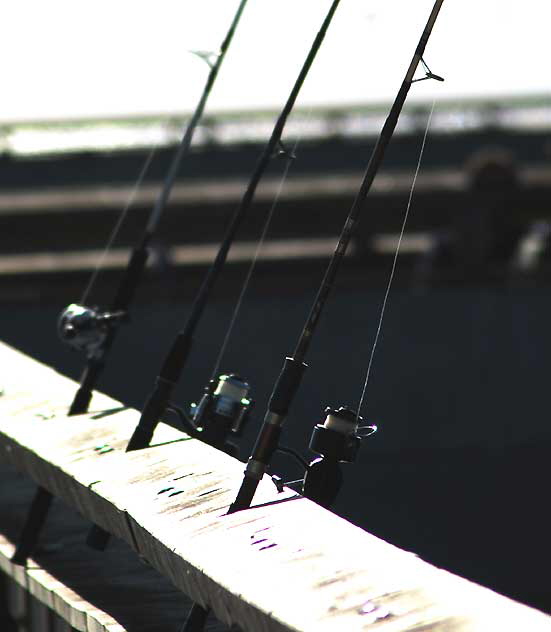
(459, 470)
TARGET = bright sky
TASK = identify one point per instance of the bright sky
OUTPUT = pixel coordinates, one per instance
(70, 58)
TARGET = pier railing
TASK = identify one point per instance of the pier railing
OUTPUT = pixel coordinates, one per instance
(283, 564)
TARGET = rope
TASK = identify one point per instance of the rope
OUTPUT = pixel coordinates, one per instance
(393, 270)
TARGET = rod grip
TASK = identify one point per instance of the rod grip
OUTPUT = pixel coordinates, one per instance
(131, 279)
(177, 357)
(286, 386)
(266, 443)
(245, 495)
(81, 401)
(88, 380)
(154, 409)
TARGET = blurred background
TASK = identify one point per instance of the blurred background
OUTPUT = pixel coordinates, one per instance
(459, 470)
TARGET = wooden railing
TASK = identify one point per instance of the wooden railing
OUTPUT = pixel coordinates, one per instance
(284, 564)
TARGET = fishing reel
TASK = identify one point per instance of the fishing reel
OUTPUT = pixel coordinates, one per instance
(223, 410)
(86, 328)
(336, 441)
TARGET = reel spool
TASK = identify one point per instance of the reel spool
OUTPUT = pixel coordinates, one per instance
(223, 410)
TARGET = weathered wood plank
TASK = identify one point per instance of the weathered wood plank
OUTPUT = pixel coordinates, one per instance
(53, 594)
(93, 592)
(285, 564)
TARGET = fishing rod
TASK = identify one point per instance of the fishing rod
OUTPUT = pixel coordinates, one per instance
(175, 361)
(93, 331)
(337, 428)
(337, 440)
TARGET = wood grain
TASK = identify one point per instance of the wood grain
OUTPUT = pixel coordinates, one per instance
(89, 591)
(284, 564)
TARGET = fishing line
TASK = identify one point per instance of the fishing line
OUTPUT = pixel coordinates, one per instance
(290, 156)
(395, 260)
(118, 225)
